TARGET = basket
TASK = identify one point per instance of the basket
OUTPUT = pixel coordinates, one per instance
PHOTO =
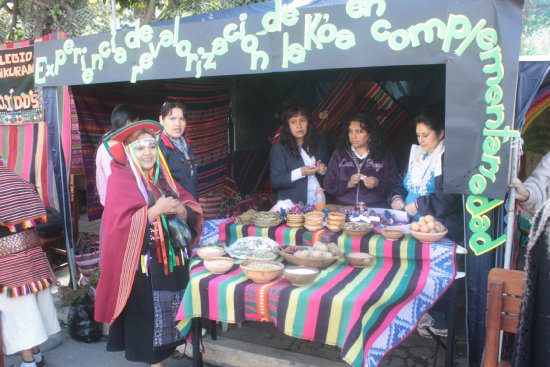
(316, 263)
(88, 258)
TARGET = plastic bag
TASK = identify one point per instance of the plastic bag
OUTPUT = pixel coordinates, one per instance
(82, 325)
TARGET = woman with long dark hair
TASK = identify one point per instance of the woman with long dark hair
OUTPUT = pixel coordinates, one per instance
(363, 169)
(177, 149)
(143, 264)
(297, 161)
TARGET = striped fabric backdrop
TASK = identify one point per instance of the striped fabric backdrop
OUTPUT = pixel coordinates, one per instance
(24, 147)
(365, 312)
(355, 91)
(208, 126)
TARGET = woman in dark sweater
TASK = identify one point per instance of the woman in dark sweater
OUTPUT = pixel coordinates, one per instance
(177, 150)
(421, 192)
(363, 169)
(297, 161)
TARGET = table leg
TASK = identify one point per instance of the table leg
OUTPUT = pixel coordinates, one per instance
(449, 350)
(197, 333)
(214, 331)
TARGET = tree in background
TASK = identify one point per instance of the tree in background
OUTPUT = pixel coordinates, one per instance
(27, 19)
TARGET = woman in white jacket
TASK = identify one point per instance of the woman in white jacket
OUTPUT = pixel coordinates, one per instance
(536, 188)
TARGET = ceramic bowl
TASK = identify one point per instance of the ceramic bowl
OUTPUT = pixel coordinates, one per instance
(429, 237)
(359, 259)
(301, 276)
(218, 265)
(262, 272)
(210, 251)
(262, 256)
(392, 234)
(354, 229)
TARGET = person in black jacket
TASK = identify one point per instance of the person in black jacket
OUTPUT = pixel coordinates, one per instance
(421, 192)
(297, 162)
(177, 150)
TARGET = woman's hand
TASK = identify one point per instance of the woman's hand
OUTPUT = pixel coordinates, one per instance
(321, 169)
(411, 209)
(522, 194)
(370, 182)
(181, 210)
(164, 205)
(397, 203)
(354, 180)
(308, 170)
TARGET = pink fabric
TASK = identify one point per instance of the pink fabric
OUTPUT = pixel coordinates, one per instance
(102, 171)
(395, 310)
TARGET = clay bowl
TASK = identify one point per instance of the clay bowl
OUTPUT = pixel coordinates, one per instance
(218, 265)
(262, 272)
(429, 237)
(261, 256)
(359, 259)
(357, 229)
(210, 251)
(301, 276)
(392, 234)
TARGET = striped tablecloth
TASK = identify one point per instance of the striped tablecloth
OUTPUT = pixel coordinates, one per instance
(366, 312)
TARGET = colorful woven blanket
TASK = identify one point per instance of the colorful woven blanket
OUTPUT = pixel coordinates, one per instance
(24, 146)
(366, 312)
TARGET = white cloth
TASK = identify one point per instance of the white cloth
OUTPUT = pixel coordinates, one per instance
(27, 320)
(538, 185)
(423, 164)
(360, 156)
(312, 183)
(102, 171)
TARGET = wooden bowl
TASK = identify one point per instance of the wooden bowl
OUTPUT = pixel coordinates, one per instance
(210, 251)
(218, 265)
(429, 237)
(353, 229)
(304, 261)
(262, 256)
(392, 234)
(359, 259)
(301, 276)
(262, 272)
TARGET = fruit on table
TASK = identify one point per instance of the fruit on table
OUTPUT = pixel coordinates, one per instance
(428, 224)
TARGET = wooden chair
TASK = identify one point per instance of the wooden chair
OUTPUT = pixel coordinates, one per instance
(504, 291)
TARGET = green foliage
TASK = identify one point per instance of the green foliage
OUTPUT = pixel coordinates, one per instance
(88, 289)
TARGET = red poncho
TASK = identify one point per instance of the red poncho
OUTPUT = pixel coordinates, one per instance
(123, 228)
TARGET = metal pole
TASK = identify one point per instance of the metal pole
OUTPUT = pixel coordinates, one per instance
(511, 204)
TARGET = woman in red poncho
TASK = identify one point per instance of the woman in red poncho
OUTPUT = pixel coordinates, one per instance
(143, 270)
